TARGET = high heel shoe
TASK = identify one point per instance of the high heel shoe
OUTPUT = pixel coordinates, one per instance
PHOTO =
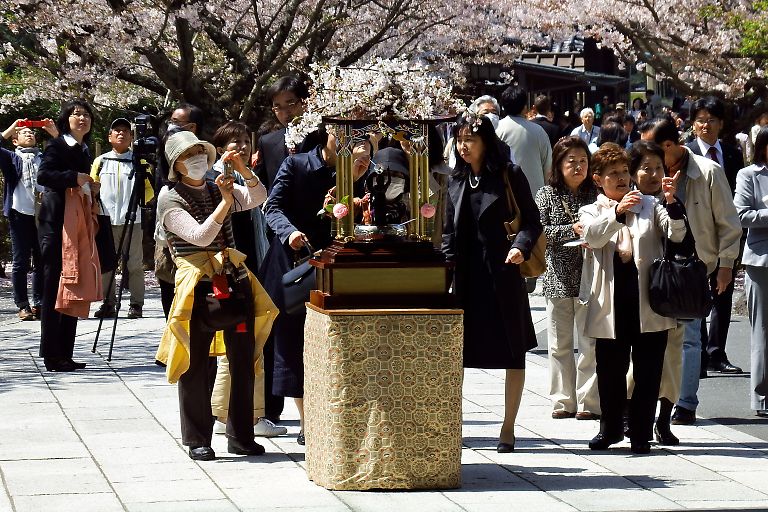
(503, 447)
(59, 365)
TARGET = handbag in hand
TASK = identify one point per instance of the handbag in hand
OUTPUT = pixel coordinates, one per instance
(678, 285)
(298, 282)
(105, 242)
(536, 263)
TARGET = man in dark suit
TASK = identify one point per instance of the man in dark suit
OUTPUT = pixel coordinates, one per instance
(287, 97)
(544, 118)
(707, 114)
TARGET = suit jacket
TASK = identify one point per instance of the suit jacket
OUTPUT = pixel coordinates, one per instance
(733, 160)
(530, 145)
(274, 152)
(751, 202)
(553, 132)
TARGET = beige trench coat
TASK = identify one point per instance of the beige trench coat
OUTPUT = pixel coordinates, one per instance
(647, 227)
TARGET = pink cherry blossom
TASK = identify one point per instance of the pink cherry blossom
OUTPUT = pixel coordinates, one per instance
(340, 210)
(428, 210)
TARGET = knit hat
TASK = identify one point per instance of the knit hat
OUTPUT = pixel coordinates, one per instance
(178, 143)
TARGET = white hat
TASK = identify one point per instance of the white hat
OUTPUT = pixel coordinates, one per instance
(178, 143)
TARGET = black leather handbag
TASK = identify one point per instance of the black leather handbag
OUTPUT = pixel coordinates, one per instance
(298, 282)
(221, 313)
(678, 284)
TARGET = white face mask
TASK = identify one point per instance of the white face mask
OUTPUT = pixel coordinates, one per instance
(494, 119)
(396, 188)
(197, 166)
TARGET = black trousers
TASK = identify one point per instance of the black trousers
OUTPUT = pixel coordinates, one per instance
(195, 384)
(612, 357)
(57, 337)
(273, 404)
(713, 339)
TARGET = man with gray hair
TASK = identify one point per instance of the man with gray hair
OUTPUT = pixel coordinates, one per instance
(587, 132)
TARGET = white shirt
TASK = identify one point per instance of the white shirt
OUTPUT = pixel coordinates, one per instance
(704, 148)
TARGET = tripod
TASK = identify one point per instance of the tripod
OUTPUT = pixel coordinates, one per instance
(138, 174)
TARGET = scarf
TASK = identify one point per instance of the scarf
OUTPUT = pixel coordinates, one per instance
(30, 158)
(624, 241)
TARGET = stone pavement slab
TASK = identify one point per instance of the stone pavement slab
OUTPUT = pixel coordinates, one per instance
(108, 438)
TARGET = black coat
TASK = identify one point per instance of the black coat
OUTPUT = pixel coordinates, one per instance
(733, 160)
(296, 197)
(553, 132)
(508, 296)
(58, 171)
(273, 152)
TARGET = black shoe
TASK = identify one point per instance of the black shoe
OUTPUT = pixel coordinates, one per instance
(503, 447)
(300, 438)
(664, 435)
(641, 447)
(236, 447)
(602, 442)
(134, 311)
(78, 366)
(725, 366)
(59, 365)
(105, 311)
(201, 453)
(683, 416)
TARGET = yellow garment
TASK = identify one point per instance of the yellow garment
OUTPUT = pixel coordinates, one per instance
(174, 345)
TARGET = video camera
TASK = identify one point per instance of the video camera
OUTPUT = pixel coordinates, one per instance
(144, 145)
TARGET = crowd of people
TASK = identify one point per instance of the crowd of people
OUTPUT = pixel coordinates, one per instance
(232, 218)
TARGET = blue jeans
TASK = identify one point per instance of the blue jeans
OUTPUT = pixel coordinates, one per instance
(24, 245)
(691, 365)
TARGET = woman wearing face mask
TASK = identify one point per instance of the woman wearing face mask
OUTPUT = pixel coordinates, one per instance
(303, 186)
(196, 217)
(624, 230)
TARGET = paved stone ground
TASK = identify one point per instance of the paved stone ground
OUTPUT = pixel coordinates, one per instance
(107, 438)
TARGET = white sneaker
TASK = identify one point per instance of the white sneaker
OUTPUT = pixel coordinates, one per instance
(219, 427)
(265, 428)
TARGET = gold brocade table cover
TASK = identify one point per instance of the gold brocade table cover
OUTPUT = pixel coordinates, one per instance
(382, 398)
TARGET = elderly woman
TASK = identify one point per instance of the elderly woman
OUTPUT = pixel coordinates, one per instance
(572, 385)
(587, 132)
(624, 230)
(647, 168)
(214, 292)
(497, 320)
(751, 202)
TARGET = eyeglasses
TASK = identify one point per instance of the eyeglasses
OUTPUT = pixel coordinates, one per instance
(84, 115)
(707, 120)
(288, 106)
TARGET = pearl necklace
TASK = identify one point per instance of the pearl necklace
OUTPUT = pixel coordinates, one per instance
(477, 181)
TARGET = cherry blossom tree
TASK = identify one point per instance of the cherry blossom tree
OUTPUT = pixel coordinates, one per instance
(221, 54)
(698, 45)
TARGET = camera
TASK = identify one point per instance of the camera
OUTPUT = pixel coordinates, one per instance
(30, 124)
(144, 145)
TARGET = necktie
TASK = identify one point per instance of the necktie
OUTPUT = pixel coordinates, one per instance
(712, 154)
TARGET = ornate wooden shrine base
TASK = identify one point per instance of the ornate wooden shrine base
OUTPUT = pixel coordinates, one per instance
(382, 274)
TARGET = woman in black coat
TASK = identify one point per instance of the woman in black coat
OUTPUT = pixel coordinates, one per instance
(298, 193)
(66, 163)
(498, 329)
